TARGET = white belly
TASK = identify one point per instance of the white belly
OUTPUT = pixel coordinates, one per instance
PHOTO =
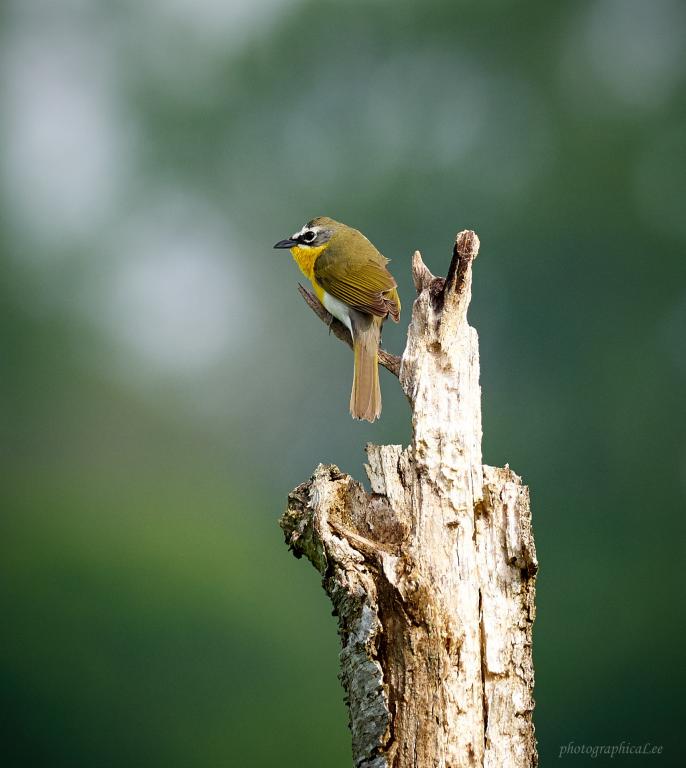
(339, 310)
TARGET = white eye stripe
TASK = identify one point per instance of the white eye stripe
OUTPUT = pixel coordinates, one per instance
(306, 234)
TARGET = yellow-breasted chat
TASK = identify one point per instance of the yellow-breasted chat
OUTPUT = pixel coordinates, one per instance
(350, 278)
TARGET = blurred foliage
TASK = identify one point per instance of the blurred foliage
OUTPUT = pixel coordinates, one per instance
(163, 386)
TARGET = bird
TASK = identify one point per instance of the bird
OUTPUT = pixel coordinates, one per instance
(350, 279)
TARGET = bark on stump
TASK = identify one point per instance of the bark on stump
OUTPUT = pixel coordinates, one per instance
(432, 574)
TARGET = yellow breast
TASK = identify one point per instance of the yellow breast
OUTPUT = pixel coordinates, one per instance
(305, 257)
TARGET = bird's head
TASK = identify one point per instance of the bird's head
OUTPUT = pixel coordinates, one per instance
(315, 234)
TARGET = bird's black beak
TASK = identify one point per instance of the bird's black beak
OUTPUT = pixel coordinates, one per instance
(287, 243)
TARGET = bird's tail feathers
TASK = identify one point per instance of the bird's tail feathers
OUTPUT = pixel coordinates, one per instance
(365, 398)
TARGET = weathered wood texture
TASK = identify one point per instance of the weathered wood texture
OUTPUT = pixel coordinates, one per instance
(432, 574)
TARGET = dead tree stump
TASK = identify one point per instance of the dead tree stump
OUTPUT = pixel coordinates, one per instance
(432, 574)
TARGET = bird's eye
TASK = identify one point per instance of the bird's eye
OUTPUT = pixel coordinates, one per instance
(309, 236)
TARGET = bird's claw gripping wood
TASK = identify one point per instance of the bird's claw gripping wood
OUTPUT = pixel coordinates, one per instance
(389, 361)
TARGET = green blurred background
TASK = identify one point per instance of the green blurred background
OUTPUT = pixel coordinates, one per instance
(163, 385)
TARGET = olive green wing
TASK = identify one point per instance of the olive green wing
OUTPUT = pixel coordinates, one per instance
(361, 280)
